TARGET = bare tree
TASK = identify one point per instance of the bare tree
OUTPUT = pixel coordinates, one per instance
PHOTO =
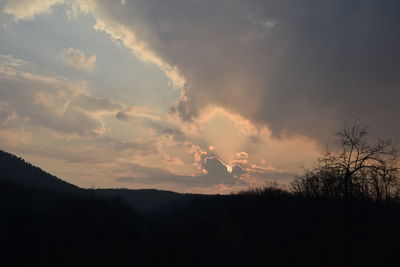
(359, 166)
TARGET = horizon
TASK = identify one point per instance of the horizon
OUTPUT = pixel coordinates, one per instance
(192, 96)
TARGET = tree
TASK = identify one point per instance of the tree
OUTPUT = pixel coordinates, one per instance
(359, 166)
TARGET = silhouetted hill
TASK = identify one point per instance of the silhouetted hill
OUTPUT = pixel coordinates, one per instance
(41, 227)
(17, 170)
(147, 200)
(46, 226)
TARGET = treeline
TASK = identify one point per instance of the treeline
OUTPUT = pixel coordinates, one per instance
(359, 167)
(272, 227)
(263, 227)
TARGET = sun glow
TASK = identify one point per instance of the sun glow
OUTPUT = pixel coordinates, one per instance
(229, 168)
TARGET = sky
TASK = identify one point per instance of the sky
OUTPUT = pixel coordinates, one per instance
(192, 95)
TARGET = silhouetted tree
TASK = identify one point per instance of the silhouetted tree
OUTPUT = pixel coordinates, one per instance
(359, 166)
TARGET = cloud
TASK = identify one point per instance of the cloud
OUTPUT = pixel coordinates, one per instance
(144, 147)
(97, 103)
(299, 68)
(217, 174)
(29, 97)
(250, 71)
(138, 111)
(77, 59)
(14, 136)
(7, 116)
(27, 9)
(129, 38)
(172, 158)
(150, 164)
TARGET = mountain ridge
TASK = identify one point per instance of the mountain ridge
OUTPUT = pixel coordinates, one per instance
(19, 171)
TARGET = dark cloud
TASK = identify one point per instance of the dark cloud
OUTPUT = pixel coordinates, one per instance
(137, 113)
(122, 116)
(217, 174)
(299, 67)
(237, 171)
(177, 135)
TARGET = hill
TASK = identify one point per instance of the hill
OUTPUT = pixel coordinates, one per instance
(148, 200)
(46, 226)
(17, 170)
(42, 227)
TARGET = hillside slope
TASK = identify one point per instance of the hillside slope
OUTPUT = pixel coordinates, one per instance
(149, 200)
(17, 170)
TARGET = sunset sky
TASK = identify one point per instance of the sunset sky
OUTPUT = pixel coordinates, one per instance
(208, 96)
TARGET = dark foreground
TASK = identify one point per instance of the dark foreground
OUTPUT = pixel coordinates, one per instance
(42, 226)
